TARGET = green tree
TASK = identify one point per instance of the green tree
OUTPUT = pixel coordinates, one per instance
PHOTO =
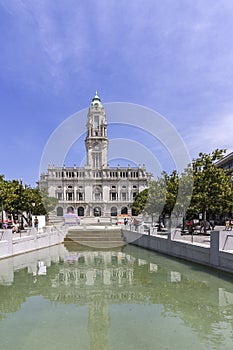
(156, 198)
(201, 188)
(17, 198)
(212, 190)
(172, 185)
(139, 202)
(165, 196)
(49, 203)
(181, 196)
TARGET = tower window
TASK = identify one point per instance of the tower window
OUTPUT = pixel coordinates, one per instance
(96, 159)
(96, 121)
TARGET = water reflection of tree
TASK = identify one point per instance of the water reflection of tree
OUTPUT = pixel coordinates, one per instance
(13, 296)
(200, 310)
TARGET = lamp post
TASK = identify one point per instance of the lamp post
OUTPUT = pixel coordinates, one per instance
(30, 214)
(21, 215)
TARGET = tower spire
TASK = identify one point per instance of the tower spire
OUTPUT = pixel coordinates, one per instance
(96, 99)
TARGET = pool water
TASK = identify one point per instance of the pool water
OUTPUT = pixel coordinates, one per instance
(72, 297)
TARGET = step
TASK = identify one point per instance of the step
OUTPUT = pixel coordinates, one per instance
(94, 234)
(91, 239)
(103, 244)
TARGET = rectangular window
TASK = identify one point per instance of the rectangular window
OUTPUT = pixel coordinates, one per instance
(123, 196)
(80, 196)
(59, 196)
(96, 121)
(113, 196)
(69, 196)
(97, 160)
(97, 196)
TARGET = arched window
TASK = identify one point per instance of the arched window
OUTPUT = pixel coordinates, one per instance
(80, 211)
(97, 193)
(97, 211)
(59, 211)
(70, 210)
(124, 210)
(114, 211)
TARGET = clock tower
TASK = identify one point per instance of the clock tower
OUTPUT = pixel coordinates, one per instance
(96, 140)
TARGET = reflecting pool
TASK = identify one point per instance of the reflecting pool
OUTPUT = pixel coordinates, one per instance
(72, 297)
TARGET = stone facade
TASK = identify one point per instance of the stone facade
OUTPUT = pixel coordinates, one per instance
(95, 189)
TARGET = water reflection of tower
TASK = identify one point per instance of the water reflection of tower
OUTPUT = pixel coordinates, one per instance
(106, 277)
(98, 324)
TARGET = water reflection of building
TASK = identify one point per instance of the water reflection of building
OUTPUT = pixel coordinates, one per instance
(96, 269)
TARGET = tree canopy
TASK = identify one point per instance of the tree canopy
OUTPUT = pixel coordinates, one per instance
(212, 189)
(203, 188)
(15, 197)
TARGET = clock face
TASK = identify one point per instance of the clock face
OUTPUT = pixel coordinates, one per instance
(96, 147)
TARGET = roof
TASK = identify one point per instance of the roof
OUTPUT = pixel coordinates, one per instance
(224, 160)
(96, 100)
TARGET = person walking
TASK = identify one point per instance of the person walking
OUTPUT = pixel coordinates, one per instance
(36, 222)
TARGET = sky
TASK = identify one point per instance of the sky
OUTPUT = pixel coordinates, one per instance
(172, 57)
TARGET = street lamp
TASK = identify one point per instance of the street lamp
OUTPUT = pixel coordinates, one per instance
(21, 214)
(30, 214)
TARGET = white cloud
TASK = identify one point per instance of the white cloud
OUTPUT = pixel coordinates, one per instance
(210, 135)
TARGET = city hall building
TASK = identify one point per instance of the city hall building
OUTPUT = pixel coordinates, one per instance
(95, 189)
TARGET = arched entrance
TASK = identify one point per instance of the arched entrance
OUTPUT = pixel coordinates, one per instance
(59, 211)
(97, 211)
(124, 210)
(114, 211)
(70, 210)
(80, 211)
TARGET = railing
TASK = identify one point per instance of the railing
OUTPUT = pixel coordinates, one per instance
(176, 234)
(30, 239)
(215, 250)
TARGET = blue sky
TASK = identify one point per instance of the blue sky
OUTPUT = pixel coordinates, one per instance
(175, 57)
